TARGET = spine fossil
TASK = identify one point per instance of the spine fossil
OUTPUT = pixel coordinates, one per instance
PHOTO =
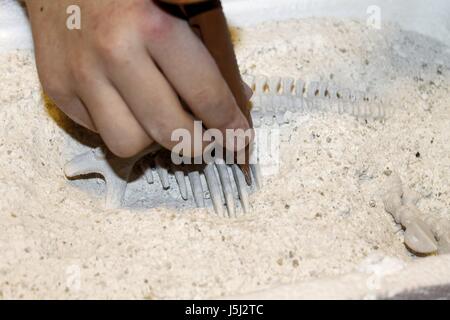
(275, 99)
(274, 102)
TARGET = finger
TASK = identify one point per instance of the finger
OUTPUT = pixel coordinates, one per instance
(81, 116)
(192, 71)
(72, 107)
(151, 99)
(117, 126)
(78, 112)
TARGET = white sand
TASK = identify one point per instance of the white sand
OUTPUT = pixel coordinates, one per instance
(320, 216)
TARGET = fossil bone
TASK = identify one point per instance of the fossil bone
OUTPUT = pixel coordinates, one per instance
(423, 236)
(181, 181)
(214, 191)
(274, 101)
(197, 189)
(276, 98)
(115, 171)
(441, 230)
(227, 188)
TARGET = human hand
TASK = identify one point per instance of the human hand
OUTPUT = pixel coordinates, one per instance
(121, 73)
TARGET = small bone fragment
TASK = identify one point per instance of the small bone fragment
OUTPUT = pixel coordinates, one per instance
(401, 204)
(197, 189)
(226, 186)
(214, 190)
(242, 188)
(181, 181)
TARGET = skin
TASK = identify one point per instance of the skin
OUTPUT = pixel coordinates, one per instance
(121, 74)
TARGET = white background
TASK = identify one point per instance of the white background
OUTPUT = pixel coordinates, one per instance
(430, 17)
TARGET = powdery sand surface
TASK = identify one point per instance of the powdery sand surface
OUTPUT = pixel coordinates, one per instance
(322, 215)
